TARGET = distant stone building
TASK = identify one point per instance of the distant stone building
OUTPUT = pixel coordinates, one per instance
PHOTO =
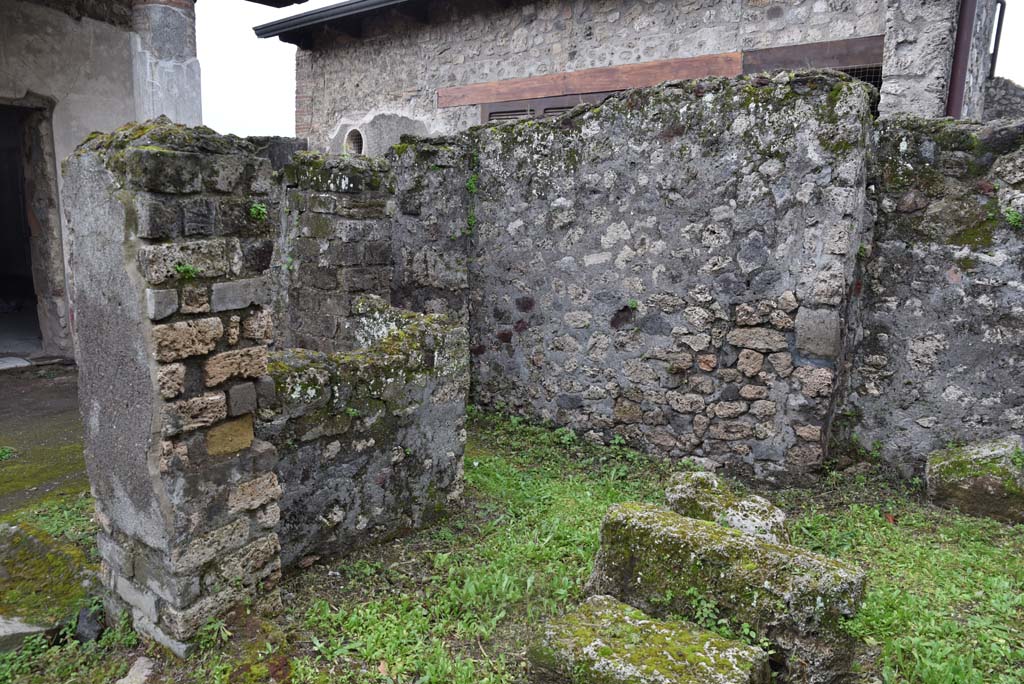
(369, 70)
(67, 68)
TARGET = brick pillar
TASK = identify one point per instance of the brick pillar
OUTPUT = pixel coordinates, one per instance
(171, 238)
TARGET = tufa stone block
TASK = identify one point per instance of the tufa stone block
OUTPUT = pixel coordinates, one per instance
(605, 641)
(254, 493)
(704, 496)
(984, 479)
(239, 294)
(188, 338)
(203, 549)
(796, 598)
(171, 380)
(181, 260)
(230, 437)
(758, 339)
(191, 414)
(156, 218)
(250, 362)
(164, 171)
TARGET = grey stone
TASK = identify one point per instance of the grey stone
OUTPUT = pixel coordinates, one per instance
(819, 332)
(141, 672)
(241, 399)
(238, 294)
(608, 642)
(983, 479)
(653, 559)
(161, 303)
(704, 496)
(13, 631)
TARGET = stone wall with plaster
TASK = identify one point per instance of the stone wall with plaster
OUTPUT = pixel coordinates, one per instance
(398, 62)
(171, 334)
(939, 358)
(208, 466)
(637, 269)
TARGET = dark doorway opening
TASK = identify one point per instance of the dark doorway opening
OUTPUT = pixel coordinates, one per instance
(19, 319)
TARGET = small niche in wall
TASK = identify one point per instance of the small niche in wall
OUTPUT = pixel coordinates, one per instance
(354, 141)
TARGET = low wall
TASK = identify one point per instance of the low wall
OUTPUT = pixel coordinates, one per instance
(370, 440)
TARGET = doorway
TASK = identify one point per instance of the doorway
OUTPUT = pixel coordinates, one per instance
(20, 335)
(35, 322)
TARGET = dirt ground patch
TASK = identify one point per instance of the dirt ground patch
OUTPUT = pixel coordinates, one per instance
(40, 435)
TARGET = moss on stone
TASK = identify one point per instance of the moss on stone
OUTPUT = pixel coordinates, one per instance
(607, 642)
(43, 581)
(981, 479)
(657, 560)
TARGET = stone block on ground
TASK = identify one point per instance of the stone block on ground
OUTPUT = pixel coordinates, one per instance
(706, 497)
(984, 479)
(663, 563)
(608, 642)
(43, 582)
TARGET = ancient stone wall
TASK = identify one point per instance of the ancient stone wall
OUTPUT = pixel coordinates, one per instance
(940, 356)
(919, 40)
(398, 62)
(171, 334)
(337, 245)
(638, 269)
(1004, 99)
(370, 440)
(200, 461)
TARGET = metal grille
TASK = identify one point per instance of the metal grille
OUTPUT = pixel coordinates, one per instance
(870, 73)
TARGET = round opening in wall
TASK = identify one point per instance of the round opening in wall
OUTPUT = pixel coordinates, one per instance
(354, 142)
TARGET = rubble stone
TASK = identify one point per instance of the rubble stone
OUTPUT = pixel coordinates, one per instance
(704, 496)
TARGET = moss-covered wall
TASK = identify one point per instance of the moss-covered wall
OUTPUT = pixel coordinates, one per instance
(371, 440)
(670, 268)
(939, 357)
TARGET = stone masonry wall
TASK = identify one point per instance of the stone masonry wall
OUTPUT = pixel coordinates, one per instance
(336, 246)
(171, 333)
(939, 358)
(370, 440)
(673, 266)
(398, 63)
(1004, 99)
(193, 258)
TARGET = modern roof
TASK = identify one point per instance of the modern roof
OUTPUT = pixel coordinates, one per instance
(296, 28)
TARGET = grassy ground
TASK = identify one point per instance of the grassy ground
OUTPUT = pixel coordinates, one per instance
(455, 604)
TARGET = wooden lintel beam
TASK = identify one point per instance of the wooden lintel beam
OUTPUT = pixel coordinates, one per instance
(600, 79)
(827, 55)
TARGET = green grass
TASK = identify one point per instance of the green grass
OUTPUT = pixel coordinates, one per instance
(458, 602)
(945, 599)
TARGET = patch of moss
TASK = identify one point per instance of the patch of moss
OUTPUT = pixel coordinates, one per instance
(43, 579)
(607, 641)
